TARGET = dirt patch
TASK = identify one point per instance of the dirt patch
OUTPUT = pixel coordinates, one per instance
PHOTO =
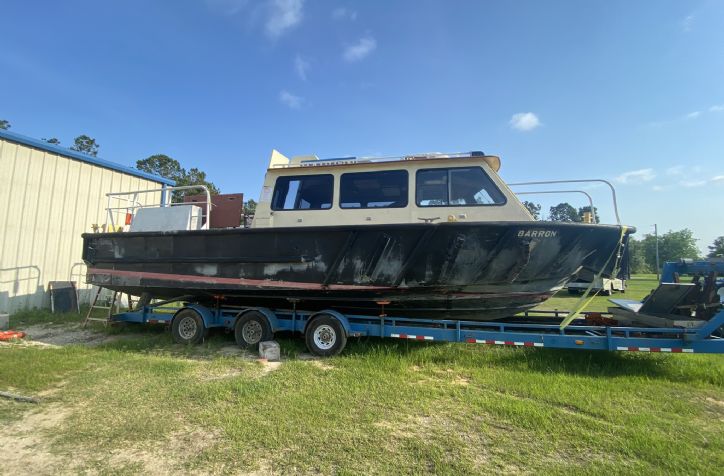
(715, 408)
(235, 351)
(321, 365)
(65, 335)
(316, 361)
(178, 449)
(25, 445)
(715, 402)
(268, 367)
(28, 448)
(462, 381)
(207, 376)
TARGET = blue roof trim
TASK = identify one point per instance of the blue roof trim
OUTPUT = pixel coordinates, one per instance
(55, 149)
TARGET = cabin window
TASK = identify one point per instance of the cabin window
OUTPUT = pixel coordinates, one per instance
(303, 192)
(466, 186)
(385, 189)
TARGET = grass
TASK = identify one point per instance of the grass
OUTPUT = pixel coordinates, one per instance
(383, 407)
(636, 288)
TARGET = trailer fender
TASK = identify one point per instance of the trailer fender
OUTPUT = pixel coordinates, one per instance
(206, 314)
(337, 315)
(270, 316)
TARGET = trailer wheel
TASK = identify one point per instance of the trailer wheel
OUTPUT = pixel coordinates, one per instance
(252, 328)
(188, 327)
(325, 336)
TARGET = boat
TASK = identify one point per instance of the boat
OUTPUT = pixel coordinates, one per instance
(425, 235)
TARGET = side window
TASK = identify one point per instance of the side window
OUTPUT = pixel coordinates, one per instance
(303, 192)
(458, 186)
(431, 188)
(386, 189)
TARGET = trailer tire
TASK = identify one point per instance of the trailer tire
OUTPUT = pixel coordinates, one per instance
(325, 336)
(252, 328)
(188, 327)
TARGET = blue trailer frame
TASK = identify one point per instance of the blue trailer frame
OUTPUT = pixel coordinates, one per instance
(579, 335)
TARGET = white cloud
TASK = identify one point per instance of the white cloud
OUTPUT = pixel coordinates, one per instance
(360, 50)
(636, 176)
(658, 188)
(718, 179)
(692, 183)
(675, 170)
(290, 100)
(283, 15)
(301, 66)
(342, 13)
(686, 117)
(524, 121)
(688, 22)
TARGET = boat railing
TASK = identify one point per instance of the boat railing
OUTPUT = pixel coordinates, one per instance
(122, 206)
(554, 182)
(590, 199)
(376, 159)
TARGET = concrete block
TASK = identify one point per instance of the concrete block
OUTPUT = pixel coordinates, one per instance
(4, 322)
(269, 350)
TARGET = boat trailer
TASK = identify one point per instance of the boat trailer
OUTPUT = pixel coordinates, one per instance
(326, 331)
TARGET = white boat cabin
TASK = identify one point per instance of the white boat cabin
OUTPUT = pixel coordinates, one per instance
(429, 188)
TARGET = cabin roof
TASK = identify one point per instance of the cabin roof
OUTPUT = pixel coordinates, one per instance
(278, 160)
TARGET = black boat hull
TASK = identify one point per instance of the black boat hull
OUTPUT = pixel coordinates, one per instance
(477, 271)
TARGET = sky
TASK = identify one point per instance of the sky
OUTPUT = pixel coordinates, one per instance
(630, 92)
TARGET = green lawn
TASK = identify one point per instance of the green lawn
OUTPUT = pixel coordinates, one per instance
(636, 288)
(142, 404)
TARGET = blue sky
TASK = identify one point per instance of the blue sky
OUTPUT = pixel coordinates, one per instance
(628, 91)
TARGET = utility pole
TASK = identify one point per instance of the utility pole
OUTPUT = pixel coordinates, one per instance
(658, 269)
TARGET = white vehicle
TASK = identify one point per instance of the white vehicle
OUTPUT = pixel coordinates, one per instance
(604, 286)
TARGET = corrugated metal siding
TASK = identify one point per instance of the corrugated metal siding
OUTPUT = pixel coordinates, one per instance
(46, 202)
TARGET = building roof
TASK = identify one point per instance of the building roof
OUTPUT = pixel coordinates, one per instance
(72, 154)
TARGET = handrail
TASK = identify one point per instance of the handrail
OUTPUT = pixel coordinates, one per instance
(167, 197)
(387, 158)
(590, 200)
(548, 182)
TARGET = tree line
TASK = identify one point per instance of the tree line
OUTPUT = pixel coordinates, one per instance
(673, 245)
(82, 143)
(562, 212)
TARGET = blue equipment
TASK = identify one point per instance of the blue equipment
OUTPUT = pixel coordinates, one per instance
(674, 269)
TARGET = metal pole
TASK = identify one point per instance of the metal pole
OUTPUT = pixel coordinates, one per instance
(658, 270)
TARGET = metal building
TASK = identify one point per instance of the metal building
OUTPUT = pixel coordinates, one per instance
(49, 196)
